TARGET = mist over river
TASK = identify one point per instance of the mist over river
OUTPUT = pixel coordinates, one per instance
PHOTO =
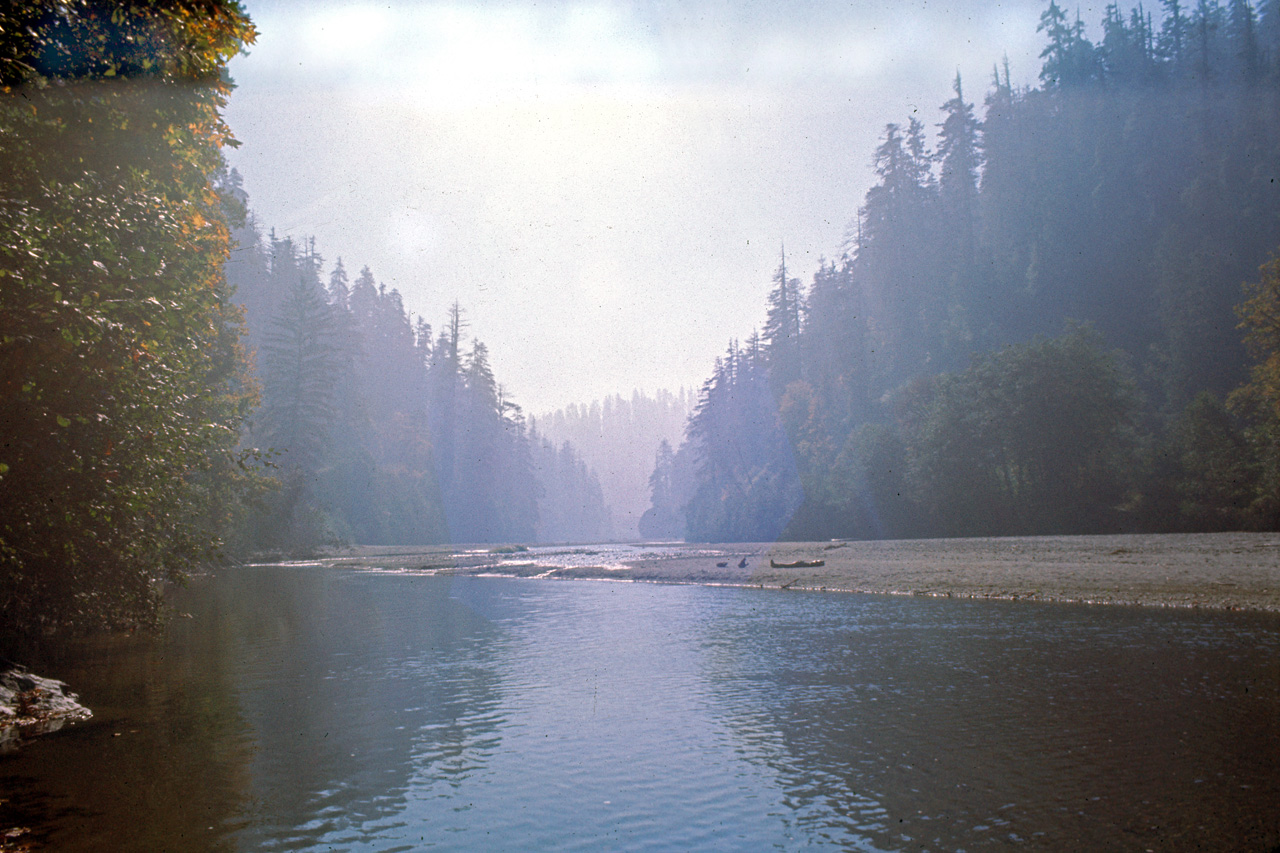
(323, 708)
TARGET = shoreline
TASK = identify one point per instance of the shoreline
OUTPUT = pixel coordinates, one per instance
(1224, 571)
(31, 705)
(1213, 571)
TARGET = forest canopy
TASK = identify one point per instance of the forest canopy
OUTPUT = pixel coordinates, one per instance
(1032, 327)
(381, 430)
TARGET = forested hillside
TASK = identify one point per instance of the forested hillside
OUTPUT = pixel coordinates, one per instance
(619, 439)
(1033, 327)
(380, 430)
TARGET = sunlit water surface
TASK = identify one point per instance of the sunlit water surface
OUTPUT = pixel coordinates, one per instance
(312, 709)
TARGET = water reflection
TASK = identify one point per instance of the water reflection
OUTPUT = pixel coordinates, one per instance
(308, 709)
(606, 742)
(351, 693)
(163, 764)
(908, 724)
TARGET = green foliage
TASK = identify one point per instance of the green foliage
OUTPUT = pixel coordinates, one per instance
(1259, 399)
(299, 367)
(1033, 439)
(382, 436)
(746, 485)
(1130, 193)
(872, 469)
(1260, 318)
(121, 394)
(1208, 470)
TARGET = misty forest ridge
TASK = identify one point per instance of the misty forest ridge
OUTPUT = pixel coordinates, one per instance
(1033, 329)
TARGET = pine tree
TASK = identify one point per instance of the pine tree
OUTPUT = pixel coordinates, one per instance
(900, 215)
(959, 160)
(782, 327)
(299, 366)
(958, 155)
(1057, 54)
(1069, 58)
(747, 485)
(1242, 35)
(339, 287)
(1269, 36)
(1206, 56)
(1172, 43)
(1126, 51)
(835, 342)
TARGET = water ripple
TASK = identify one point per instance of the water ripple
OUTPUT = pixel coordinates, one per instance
(361, 711)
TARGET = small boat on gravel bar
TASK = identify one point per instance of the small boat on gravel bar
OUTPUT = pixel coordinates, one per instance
(798, 564)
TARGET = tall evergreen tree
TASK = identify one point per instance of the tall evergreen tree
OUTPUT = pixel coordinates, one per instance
(1172, 41)
(1206, 58)
(959, 160)
(782, 327)
(1242, 35)
(1069, 58)
(340, 287)
(299, 367)
(1269, 37)
(958, 154)
(838, 357)
(747, 485)
(897, 219)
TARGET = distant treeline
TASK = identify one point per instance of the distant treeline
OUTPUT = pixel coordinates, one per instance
(378, 430)
(617, 438)
(1035, 327)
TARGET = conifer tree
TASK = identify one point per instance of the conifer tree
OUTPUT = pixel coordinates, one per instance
(1171, 43)
(1243, 38)
(958, 154)
(1269, 37)
(1206, 26)
(959, 161)
(339, 287)
(782, 328)
(299, 367)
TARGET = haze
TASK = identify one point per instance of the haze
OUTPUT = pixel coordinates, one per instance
(604, 187)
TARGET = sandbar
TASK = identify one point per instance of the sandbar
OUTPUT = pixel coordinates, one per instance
(1229, 571)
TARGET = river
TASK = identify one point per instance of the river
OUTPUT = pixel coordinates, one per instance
(305, 708)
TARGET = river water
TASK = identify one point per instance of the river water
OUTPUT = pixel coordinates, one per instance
(303, 708)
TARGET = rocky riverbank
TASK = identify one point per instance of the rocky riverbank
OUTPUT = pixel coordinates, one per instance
(1214, 570)
(32, 705)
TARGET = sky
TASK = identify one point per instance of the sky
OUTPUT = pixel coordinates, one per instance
(604, 187)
